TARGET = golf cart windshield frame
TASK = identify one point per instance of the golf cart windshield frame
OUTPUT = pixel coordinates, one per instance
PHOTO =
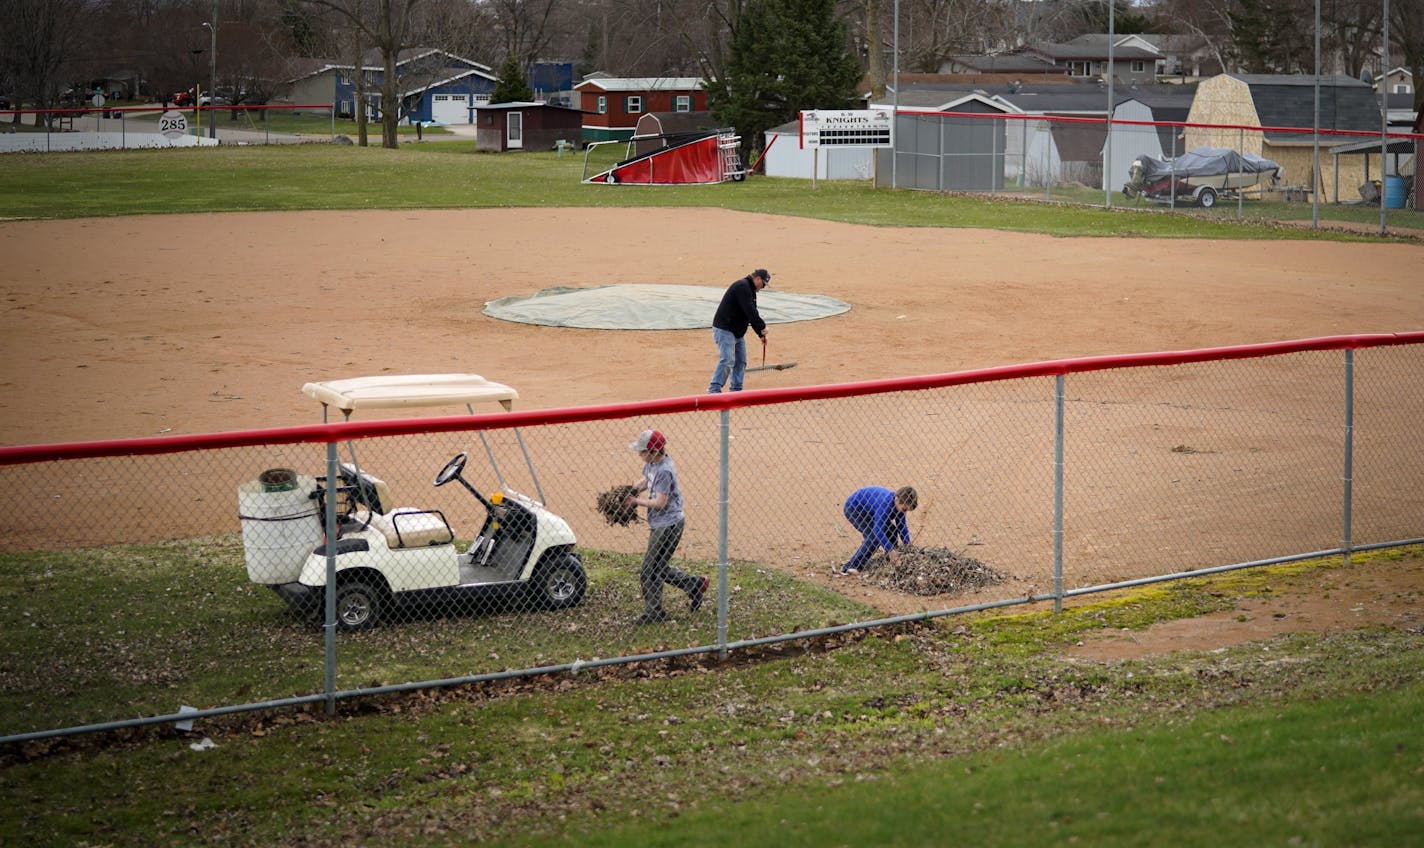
(400, 391)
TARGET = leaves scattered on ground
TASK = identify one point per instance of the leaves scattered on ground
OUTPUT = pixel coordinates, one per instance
(931, 571)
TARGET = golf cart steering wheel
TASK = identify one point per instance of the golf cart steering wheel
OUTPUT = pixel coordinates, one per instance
(451, 470)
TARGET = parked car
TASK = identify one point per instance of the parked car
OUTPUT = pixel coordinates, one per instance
(182, 98)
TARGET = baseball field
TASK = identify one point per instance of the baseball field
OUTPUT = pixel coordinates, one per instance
(135, 325)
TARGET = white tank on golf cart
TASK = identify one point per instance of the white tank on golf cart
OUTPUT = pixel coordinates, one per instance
(280, 524)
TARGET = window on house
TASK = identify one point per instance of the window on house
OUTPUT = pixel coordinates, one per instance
(1080, 69)
(1138, 66)
(602, 105)
(1401, 88)
(682, 103)
(633, 105)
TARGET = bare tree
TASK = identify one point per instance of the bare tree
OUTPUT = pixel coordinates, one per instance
(1209, 20)
(385, 25)
(1350, 30)
(523, 26)
(40, 45)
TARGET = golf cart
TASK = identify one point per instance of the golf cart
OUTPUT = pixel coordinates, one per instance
(389, 557)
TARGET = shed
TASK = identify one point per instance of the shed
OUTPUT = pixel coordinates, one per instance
(1283, 105)
(785, 157)
(1166, 103)
(525, 125)
(946, 154)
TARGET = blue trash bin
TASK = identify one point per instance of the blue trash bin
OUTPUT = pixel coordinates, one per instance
(1394, 192)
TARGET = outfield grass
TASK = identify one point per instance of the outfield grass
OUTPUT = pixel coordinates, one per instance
(452, 175)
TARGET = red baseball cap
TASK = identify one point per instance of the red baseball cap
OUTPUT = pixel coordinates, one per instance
(649, 440)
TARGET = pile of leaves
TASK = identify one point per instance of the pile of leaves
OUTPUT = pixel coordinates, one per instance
(931, 571)
(614, 508)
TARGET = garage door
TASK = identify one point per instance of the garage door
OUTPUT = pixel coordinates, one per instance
(450, 108)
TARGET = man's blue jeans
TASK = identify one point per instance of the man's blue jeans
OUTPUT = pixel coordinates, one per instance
(731, 361)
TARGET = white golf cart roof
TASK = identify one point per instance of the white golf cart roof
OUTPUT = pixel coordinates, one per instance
(401, 390)
(392, 391)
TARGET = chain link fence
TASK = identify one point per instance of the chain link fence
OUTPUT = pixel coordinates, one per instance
(1088, 161)
(163, 126)
(149, 580)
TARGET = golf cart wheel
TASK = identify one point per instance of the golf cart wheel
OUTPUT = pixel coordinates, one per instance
(358, 606)
(1207, 198)
(559, 583)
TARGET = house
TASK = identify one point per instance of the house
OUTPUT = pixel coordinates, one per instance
(433, 86)
(1284, 106)
(533, 125)
(553, 83)
(1397, 81)
(1188, 58)
(1010, 64)
(1087, 58)
(613, 105)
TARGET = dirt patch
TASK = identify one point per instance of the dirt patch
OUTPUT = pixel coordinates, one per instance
(1379, 592)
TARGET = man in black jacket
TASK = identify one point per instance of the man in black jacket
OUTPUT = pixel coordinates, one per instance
(735, 313)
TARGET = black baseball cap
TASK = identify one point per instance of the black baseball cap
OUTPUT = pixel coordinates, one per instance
(764, 274)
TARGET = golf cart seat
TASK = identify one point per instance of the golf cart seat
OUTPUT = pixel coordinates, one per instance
(413, 528)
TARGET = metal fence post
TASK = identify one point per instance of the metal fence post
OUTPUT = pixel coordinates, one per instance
(1241, 175)
(722, 497)
(1058, 496)
(332, 475)
(1348, 493)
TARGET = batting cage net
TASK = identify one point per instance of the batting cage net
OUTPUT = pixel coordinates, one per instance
(170, 577)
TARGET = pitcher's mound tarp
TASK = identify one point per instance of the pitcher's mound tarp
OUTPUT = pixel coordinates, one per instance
(649, 306)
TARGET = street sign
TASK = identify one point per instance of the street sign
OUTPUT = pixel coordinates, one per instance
(97, 100)
(172, 124)
(846, 128)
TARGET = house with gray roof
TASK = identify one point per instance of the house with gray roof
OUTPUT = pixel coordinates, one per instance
(1085, 58)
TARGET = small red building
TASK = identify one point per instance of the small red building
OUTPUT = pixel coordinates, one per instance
(532, 125)
(612, 105)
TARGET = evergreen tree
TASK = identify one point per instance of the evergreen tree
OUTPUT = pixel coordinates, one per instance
(511, 86)
(786, 56)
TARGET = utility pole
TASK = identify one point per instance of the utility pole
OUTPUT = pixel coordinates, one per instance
(212, 71)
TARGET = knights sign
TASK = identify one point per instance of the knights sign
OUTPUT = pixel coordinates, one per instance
(846, 128)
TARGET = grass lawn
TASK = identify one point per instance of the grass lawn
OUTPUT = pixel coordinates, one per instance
(970, 731)
(452, 174)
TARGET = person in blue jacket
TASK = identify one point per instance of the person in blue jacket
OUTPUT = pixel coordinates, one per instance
(879, 515)
(736, 312)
